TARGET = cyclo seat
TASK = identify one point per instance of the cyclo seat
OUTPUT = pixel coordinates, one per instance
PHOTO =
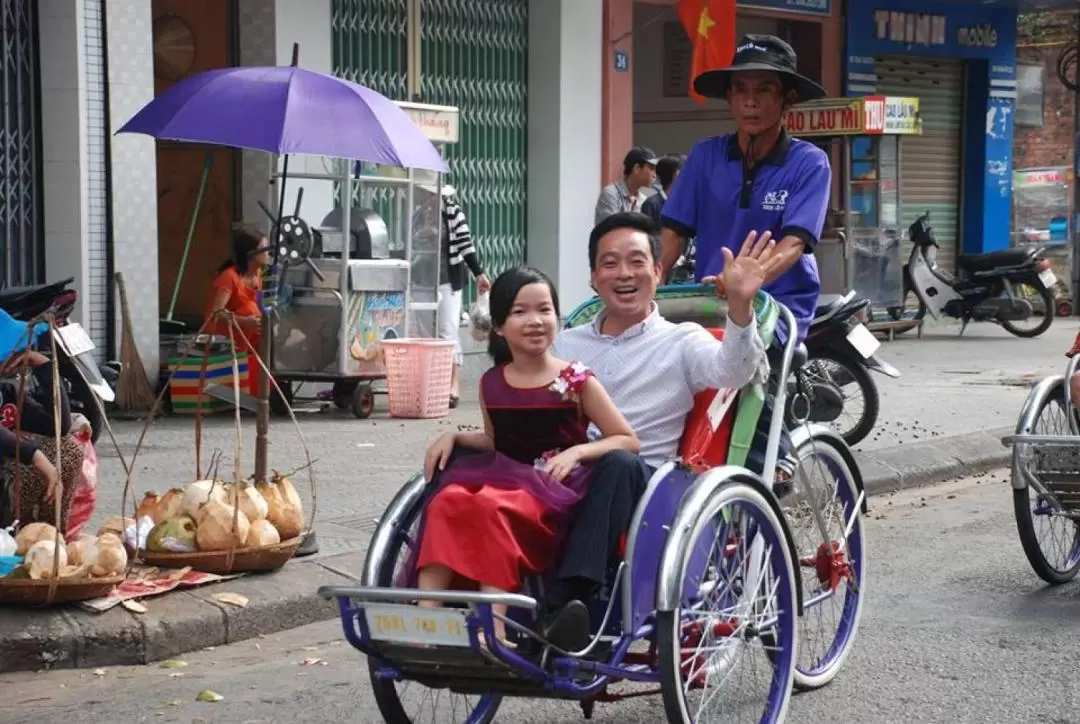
(994, 259)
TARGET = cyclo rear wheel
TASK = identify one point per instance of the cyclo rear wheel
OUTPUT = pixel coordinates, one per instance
(438, 706)
(734, 515)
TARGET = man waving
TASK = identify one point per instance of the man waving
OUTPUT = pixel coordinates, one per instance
(757, 179)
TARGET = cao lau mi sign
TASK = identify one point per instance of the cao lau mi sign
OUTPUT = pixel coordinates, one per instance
(869, 116)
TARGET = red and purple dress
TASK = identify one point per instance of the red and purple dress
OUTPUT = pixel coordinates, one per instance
(497, 516)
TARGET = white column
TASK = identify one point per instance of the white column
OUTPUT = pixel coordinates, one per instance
(63, 143)
(133, 169)
(565, 121)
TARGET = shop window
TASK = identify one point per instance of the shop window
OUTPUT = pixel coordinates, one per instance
(1030, 87)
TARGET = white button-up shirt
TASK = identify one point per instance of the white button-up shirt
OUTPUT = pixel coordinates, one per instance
(653, 370)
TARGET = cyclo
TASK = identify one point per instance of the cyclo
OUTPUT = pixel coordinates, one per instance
(1046, 477)
(706, 579)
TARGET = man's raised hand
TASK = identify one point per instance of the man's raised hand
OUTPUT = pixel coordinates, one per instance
(745, 274)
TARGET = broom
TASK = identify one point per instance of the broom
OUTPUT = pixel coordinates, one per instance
(133, 390)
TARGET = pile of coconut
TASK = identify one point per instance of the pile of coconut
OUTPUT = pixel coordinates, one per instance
(203, 517)
(101, 556)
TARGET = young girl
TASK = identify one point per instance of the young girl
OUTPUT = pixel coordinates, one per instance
(499, 511)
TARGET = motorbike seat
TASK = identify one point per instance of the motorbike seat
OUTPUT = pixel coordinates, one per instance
(11, 294)
(827, 304)
(994, 259)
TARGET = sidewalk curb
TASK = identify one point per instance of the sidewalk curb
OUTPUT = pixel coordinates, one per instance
(887, 470)
(175, 623)
(185, 621)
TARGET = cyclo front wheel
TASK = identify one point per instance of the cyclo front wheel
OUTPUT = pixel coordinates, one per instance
(737, 583)
(1051, 540)
(410, 702)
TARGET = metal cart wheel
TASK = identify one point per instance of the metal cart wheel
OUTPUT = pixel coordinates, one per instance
(343, 394)
(278, 406)
(363, 401)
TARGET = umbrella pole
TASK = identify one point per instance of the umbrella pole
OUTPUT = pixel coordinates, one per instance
(262, 418)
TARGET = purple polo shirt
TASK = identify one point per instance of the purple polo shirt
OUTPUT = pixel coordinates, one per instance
(719, 201)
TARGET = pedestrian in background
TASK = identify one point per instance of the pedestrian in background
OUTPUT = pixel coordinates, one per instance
(667, 170)
(631, 191)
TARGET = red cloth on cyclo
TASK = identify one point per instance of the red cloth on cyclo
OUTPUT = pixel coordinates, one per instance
(496, 515)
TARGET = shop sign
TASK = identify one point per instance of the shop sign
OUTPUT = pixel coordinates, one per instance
(438, 123)
(826, 118)
(1042, 177)
(910, 28)
(902, 116)
(977, 36)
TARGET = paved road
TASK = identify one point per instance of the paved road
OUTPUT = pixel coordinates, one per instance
(957, 629)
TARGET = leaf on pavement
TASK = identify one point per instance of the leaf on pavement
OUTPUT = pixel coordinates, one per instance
(172, 664)
(233, 599)
(133, 606)
(210, 697)
(310, 662)
(99, 672)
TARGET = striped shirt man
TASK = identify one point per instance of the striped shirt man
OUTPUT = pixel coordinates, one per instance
(653, 370)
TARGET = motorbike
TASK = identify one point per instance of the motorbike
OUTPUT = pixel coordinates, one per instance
(79, 370)
(986, 287)
(841, 353)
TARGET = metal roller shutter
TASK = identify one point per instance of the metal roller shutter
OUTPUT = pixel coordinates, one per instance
(930, 163)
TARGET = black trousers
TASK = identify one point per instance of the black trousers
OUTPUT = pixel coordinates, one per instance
(616, 484)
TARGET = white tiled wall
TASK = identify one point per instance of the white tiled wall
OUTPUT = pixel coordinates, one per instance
(95, 170)
(63, 144)
(72, 141)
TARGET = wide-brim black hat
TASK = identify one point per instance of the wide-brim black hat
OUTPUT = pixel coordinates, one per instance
(759, 52)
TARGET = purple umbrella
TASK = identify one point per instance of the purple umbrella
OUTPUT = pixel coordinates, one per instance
(287, 110)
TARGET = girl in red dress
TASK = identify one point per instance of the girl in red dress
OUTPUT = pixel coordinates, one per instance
(498, 514)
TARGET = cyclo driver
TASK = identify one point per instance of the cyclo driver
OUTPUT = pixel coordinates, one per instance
(757, 179)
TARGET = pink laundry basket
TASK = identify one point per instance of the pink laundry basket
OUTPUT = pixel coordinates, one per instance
(418, 375)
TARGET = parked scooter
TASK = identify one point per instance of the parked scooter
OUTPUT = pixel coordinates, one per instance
(841, 352)
(75, 350)
(986, 287)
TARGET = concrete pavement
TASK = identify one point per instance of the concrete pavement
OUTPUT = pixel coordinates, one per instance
(957, 628)
(943, 418)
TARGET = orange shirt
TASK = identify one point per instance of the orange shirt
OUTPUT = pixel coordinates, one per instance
(243, 299)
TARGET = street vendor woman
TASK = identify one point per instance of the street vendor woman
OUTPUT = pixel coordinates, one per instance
(756, 179)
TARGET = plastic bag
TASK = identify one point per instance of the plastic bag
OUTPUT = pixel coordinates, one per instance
(84, 501)
(8, 546)
(480, 318)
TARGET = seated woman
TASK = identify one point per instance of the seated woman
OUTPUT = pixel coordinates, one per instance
(499, 514)
(236, 290)
(35, 450)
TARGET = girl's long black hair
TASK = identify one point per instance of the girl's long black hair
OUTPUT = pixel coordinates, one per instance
(246, 240)
(503, 293)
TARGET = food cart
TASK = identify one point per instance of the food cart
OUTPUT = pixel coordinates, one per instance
(343, 293)
(860, 248)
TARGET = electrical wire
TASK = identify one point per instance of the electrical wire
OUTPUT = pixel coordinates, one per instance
(1066, 67)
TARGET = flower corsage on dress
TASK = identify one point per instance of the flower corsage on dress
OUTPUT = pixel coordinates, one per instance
(568, 386)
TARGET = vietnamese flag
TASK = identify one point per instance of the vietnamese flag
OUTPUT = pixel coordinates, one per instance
(710, 25)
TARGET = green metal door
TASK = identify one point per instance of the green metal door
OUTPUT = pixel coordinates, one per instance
(474, 56)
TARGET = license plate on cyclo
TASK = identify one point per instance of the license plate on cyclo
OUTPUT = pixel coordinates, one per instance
(74, 339)
(400, 624)
(1047, 278)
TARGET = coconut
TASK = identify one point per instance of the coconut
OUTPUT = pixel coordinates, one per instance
(175, 535)
(251, 502)
(215, 529)
(111, 561)
(262, 533)
(147, 505)
(32, 533)
(200, 492)
(116, 525)
(42, 555)
(171, 505)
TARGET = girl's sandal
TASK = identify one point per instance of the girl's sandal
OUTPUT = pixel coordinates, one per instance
(487, 653)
